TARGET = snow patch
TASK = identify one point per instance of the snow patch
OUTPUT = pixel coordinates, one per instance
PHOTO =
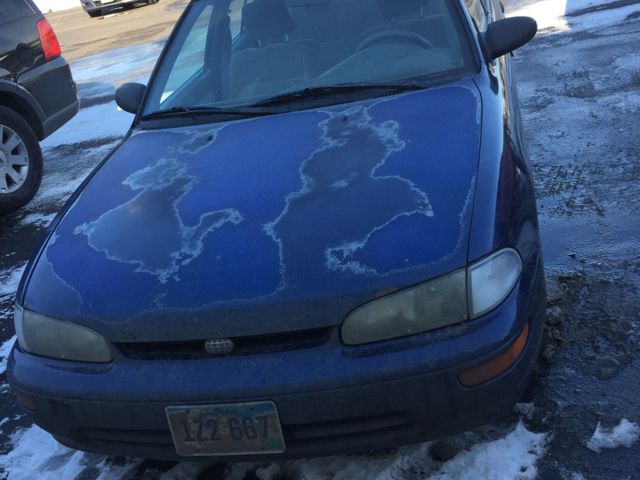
(9, 281)
(602, 18)
(555, 15)
(5, 350)
(38, 219)
(625, 434)
(548, 13)
(35, 452)
(55, 5)
(112, 68)
(100, 121)
(512, 457)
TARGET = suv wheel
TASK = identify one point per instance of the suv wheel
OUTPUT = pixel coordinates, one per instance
(95, 13)
(20, 161)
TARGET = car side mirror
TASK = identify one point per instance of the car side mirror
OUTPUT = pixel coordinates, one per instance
(506, 35)
(129, 96)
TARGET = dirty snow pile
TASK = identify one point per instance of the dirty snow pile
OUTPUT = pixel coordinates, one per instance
(5, 350)
(625, 434)
(9, 280)
(511, 457)
(35, 451)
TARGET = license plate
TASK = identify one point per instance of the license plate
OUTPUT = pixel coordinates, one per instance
(231, 429)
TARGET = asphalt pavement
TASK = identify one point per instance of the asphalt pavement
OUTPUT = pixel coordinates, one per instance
(80, 35)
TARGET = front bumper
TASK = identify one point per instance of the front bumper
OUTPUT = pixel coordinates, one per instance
(330, 400)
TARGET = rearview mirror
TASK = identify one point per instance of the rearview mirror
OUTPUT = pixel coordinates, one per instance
(509, 34)
(129, 96)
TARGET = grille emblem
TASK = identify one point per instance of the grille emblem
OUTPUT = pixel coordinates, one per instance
(219, 346)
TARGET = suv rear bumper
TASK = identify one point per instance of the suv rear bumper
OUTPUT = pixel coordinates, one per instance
(53, 110)
(57, 120)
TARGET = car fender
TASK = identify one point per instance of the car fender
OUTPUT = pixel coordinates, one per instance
(505, 213)
(18, 98)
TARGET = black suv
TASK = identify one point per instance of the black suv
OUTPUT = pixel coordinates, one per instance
(37, 96)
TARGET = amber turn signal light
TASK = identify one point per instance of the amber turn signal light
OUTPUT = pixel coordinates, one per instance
(493, 368)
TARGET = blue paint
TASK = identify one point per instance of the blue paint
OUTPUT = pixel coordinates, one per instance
(280, 224)
(342, 201)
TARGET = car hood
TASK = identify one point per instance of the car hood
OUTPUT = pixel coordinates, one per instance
(271, 224)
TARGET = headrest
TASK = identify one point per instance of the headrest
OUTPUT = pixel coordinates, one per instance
(267, 18)
(396, 8)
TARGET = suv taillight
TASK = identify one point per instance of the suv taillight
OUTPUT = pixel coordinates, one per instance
(48, 39)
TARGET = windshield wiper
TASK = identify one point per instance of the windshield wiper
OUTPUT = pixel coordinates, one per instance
(346, 88)
(246, 112)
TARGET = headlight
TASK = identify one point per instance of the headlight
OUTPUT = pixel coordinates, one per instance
(451, 299)
(492, 279)
(48, 337)
(428, 306)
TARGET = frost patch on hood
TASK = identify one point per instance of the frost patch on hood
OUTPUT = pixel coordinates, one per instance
(160, 251)
(200, 139)
(57, 287)
(343, 173)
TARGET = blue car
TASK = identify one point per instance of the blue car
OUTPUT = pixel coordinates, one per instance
(319, 236)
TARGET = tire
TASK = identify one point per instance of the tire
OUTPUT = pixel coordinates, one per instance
(20, 161)
(95, 13)
(152, 2)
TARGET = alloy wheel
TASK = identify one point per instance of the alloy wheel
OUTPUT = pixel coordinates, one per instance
(14, 160)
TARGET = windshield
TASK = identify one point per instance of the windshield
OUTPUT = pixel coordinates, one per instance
(231, 54)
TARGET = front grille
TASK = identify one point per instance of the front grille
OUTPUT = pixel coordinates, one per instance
(132, 437)
(349, 426)
(250, 345)
(297, 437)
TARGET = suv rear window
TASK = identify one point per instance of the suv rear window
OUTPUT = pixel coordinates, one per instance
(13, 10)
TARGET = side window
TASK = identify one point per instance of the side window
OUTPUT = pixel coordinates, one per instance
(14, 10)
(191, 58)
(235, 14)
(498, 9)
(478, 13)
